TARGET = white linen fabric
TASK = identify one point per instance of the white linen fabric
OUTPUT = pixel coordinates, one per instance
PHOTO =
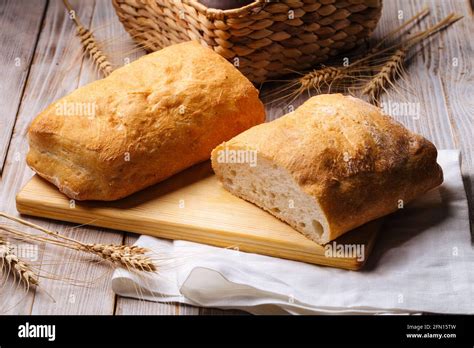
(423, 261)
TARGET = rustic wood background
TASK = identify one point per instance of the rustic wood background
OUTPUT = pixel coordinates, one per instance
(41, 60)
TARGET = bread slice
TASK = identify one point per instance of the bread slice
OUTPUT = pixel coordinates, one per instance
(330, 166)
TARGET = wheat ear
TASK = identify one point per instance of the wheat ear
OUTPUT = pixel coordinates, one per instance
(321, 77)
(389, 72)
(130, 257)
(123, 256)
(90, 44)
(11, 264)
(120, 255)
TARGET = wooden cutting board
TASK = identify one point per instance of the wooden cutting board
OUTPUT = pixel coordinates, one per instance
(192, 205)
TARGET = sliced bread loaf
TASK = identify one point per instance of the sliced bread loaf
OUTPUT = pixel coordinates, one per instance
(330, 166)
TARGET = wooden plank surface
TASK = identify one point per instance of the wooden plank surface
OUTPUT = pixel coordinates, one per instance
(192, 205)
(442, 89)
(15, 59)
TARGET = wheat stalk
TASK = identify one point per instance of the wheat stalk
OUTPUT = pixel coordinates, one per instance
(130, 257)
(90, 44)
(393, 68)
(402, 28)
(11, 264)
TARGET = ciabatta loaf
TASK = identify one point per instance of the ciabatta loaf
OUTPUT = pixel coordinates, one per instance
(333, 164)
(146, 121)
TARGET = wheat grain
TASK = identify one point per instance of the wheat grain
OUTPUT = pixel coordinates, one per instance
(12, 265)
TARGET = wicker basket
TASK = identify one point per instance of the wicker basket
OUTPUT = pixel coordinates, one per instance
(263, 39)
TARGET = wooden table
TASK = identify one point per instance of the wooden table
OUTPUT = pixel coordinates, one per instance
(41, 60)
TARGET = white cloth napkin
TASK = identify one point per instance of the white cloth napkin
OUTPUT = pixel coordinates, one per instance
(423, 261)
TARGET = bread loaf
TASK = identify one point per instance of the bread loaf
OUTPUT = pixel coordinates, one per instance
(146, 121)
(333, 164)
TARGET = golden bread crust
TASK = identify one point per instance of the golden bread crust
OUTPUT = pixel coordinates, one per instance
(153, 118)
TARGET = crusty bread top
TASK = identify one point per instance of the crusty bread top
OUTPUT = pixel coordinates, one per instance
(359, 163)
(165, 111)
